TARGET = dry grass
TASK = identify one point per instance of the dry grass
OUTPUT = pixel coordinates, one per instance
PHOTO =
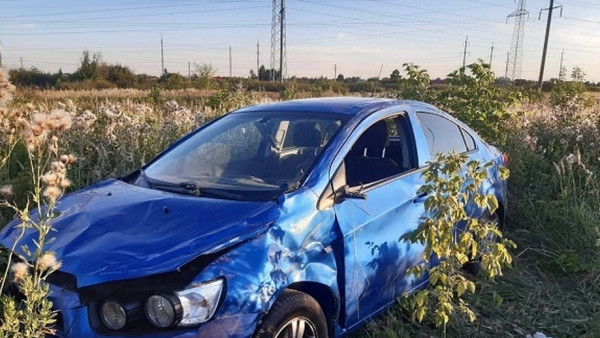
(121, 94)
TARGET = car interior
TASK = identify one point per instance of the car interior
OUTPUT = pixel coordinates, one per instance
(384, 150)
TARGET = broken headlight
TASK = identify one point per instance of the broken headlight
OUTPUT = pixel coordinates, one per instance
(192, 306)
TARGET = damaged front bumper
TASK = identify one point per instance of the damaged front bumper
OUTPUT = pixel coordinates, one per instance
(73, 321)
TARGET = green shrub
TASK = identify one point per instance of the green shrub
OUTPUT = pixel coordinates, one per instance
(476, 100)
(450, 195)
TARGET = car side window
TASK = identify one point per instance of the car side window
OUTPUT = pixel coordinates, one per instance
(469, 140)
(384, 150)
(442, 135)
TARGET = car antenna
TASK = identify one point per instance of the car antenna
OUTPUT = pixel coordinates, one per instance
(378, 77)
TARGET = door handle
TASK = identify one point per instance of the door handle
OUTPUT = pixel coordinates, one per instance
(420, 198)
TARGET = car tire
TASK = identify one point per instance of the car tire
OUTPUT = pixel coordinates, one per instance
(293, 312)
(473, 266)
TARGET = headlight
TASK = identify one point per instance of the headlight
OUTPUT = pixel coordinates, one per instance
(199, 303)
(163, 310)
(113, 315)
(191, 306)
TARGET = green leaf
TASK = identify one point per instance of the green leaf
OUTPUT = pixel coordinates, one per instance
(461, 288)
(504, 173)
(420, 314)
(492, 203)
(497, 298)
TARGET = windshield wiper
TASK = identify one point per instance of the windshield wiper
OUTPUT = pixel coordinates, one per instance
(192, 188)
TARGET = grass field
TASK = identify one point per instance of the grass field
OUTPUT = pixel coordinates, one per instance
(554, 196)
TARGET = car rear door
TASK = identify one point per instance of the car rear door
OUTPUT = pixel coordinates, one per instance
(374, 215)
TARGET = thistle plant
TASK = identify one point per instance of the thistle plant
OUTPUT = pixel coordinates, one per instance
(47, 169)
(7, 119)
(453, 231)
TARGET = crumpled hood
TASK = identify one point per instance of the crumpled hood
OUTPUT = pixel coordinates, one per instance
(114, 230)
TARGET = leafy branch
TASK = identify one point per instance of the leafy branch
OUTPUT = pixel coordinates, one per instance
(455, 231)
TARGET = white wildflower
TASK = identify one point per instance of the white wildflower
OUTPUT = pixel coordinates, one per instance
(6, 191)
(19, 271)
(47, 261)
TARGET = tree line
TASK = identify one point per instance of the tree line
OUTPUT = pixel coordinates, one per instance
(94, 73)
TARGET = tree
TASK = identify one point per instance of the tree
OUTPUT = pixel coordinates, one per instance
(267, 74)
(340, 78)
(577, 74)
(122, 76)
(32, 77)
(204, 73)
(173, 81)
(395, 75)
(88, 70)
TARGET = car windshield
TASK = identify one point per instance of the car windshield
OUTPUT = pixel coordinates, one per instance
(246, 155)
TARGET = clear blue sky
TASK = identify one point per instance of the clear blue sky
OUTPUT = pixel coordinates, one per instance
(357, 35)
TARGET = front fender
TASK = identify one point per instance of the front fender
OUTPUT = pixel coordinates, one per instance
(295, 249)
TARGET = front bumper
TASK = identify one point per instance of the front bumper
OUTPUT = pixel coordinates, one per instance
(73, 321)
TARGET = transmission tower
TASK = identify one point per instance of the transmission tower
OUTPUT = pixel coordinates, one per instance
(278, 48)
(516, 45)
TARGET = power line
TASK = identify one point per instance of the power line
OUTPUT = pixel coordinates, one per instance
(122, 9)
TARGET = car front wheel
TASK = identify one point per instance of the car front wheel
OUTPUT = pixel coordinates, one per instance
(294, 315)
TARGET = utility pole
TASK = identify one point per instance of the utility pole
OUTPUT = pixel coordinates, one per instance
(548, 24)
(335, 72)
(491, 54)
(257, 58)
(229, 61)
(465, 53)
(21, 59)
(560, 69)
(189, 71)
(0, 54)
(507, 62)
(162, 56)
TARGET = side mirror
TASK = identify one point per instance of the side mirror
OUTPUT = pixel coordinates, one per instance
(330, 197)
(337, 190)
(345, 193)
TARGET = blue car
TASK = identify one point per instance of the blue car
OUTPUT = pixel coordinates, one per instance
(275, 220)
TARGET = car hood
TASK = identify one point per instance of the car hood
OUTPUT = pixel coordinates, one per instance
(115, 231)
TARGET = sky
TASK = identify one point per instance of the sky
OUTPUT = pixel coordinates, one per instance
(352, 37)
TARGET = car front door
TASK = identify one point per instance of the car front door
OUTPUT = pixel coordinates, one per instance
(381, 176)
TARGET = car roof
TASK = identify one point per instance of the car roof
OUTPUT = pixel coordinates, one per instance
(334, 105)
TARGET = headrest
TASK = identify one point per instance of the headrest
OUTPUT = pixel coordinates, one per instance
(374, 137)
(307, 134)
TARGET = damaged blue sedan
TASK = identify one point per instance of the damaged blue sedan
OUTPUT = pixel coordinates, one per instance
(276, 220)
